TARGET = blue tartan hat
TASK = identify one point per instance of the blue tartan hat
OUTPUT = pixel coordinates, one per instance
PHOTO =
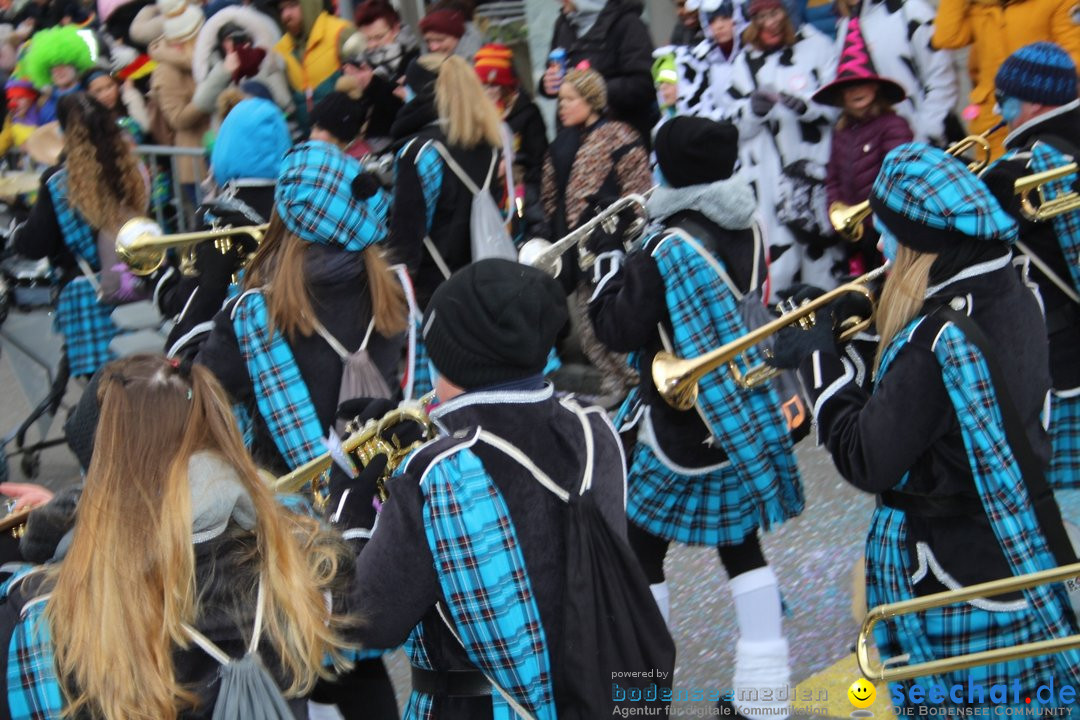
(320, 199)
(930, 200)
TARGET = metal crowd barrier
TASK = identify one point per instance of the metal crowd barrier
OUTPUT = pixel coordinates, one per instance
(183, 207)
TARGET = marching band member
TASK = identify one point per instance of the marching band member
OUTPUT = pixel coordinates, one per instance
(1037, 91)
(208, 553)
(318, 272)
(447, 105)
(98, 185)
(718, 474)
(933, 441)
(469, 531)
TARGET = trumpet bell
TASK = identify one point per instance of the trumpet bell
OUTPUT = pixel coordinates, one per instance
(132, 245)
(847, 220)
(535, 254)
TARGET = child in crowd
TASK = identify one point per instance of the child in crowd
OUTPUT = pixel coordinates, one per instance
(867, 130)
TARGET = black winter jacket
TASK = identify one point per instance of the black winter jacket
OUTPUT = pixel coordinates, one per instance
(40, 236)
(909, 424)
(342, 302)
(396, 584)
(1062, 131)
(618, 47)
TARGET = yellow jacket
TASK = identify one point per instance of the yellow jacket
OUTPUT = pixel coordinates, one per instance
(995, 30)
(320, 58)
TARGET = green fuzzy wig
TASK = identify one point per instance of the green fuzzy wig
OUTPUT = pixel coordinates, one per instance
(52, 47)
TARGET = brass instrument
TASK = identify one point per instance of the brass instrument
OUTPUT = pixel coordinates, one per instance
(677, 379)
(547, 256)
(1046, 209)
(881, 672)
(142, 245)
(15, 521)
(847, 220)
(364, 442)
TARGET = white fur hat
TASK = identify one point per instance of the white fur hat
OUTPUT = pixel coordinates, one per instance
(182, 21)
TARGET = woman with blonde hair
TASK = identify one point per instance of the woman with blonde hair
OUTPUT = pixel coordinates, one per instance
(447, 130)
(97, 186)
(950, 439)
(176, 541)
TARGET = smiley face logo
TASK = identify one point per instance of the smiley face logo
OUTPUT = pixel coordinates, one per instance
(861, 693)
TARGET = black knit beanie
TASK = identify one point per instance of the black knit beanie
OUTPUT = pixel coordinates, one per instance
(696, 151)
(339, 115)
(493, 321)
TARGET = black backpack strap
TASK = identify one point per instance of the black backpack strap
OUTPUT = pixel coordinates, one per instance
(1042, 499)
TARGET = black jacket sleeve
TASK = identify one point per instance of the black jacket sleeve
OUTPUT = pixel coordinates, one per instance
(408, 220)
(220, 353)
(875, 439)
(630, 87)
(40, 235)
(626, 309)
(395, 583)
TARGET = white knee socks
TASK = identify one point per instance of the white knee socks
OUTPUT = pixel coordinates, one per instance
(761, 655)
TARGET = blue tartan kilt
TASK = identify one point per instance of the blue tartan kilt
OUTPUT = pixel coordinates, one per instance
(86, 325)
(711, 508)
(1064, 470)
(956, 629)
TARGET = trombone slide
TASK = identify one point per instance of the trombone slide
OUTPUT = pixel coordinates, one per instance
(881, 672)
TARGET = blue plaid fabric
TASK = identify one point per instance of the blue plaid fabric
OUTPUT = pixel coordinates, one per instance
(1064, 473)
(1066, 225)
(936, 190)
(958, 630)
(33, 692)
(315, 200)
(423, 381)
(78, 235)
(86, 325)
(281, 395)
(486, 585)
(747, 424)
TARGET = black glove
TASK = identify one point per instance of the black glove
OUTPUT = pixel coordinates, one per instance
(761, 102)
(792, 345)
(846, 306)
(362, 409)
(611, 234)
(217, 268)
(792, 103)
(351, 503)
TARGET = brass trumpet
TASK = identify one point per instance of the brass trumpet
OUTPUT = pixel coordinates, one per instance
(881, 672)
(1046, 209)
(142, 245)
(547, 256)
(364, 442)
(677, 379)
(847, 220)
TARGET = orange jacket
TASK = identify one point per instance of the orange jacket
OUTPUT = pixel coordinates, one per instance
(995, 30)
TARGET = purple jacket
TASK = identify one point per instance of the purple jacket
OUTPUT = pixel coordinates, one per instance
(857, 153)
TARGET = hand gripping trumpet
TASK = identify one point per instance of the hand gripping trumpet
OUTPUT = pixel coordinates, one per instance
(365, 442)
(847, 220)
(547, 256)
(677, 379)
(142, 245)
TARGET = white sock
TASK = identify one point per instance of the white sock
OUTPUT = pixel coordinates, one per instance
(761, 667)
(663, 601)
(757, 605)
(761, 655)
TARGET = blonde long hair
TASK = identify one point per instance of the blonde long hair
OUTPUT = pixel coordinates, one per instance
(128, 581)
(279, 264)
(469, 116)
(106, 184)
(903, 295)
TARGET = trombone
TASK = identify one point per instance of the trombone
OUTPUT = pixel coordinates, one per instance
(547, 256)
(365, 442)
(847, 220)
(1046, 209)
(882, 672)
(142, 244)
(677, 379)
